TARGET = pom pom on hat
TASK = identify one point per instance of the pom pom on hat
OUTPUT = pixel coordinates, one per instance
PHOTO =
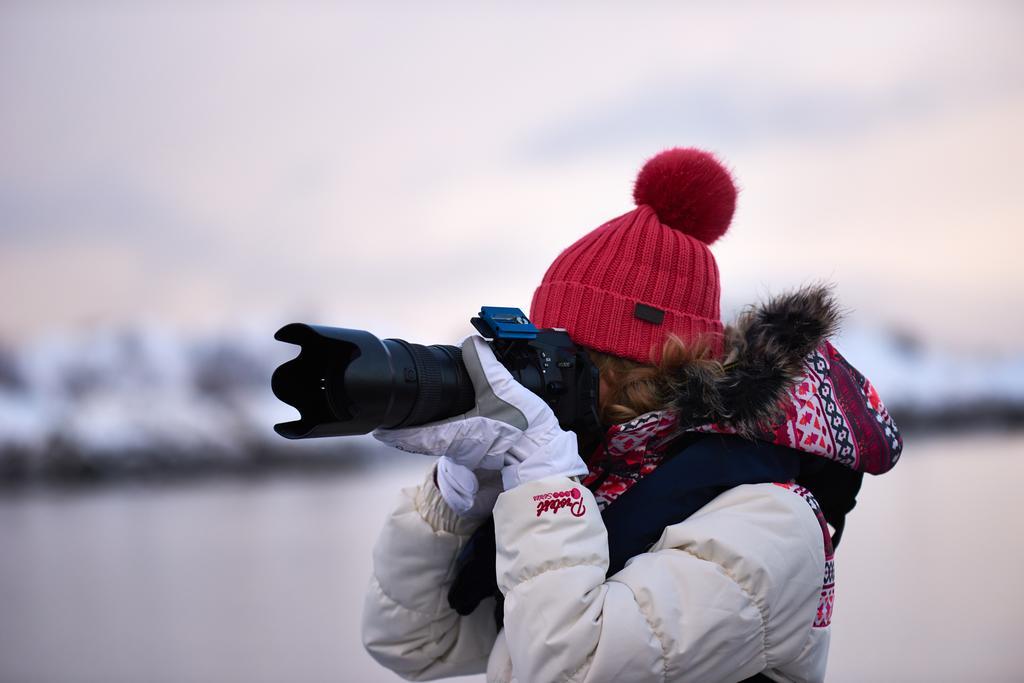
(690, 191)
(624, 287)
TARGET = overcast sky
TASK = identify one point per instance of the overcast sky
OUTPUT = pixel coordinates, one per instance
(395, 167)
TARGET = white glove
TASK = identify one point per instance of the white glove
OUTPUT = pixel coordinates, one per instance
(510, 428)
(470, 494)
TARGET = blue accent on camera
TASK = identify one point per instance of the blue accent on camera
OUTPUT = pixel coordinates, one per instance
(496, 322)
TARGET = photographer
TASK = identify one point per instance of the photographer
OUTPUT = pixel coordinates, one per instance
(694, 543)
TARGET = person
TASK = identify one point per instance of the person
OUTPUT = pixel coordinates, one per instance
(696, 542)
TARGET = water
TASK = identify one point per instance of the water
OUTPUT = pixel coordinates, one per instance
(262, 580)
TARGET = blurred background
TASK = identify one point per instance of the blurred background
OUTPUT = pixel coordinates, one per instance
(177, 180)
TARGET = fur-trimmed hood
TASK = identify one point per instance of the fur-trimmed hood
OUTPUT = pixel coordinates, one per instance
(765, 352)
(783, 382)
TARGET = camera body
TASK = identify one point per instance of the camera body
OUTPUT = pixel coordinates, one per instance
(346, 382)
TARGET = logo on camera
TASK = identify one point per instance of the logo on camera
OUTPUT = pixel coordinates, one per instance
(553, 502)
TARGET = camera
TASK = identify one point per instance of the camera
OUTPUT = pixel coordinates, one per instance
(346, 382)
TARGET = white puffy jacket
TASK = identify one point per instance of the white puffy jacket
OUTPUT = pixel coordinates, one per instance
(731, 591)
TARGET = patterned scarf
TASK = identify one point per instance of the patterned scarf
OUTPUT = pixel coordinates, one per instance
(832, 411)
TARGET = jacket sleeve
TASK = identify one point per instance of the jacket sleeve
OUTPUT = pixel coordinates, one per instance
(717, 599)
(407, 625)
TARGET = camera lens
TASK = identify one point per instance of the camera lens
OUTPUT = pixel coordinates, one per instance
(444, 388)
(350, 382)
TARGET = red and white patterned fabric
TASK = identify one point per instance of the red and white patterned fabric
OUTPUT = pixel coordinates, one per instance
(832, 411)
(828, 583)
(630, 451)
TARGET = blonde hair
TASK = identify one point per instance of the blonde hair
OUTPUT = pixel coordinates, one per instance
(630, 388)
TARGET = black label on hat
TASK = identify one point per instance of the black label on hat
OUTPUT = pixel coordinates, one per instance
(649, 313)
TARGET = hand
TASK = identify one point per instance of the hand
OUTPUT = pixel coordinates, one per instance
(470, 494)
(510, 428)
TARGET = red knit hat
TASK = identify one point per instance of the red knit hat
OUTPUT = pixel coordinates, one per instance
(625, 286)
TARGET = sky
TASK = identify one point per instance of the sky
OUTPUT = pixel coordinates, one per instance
(395, 166)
